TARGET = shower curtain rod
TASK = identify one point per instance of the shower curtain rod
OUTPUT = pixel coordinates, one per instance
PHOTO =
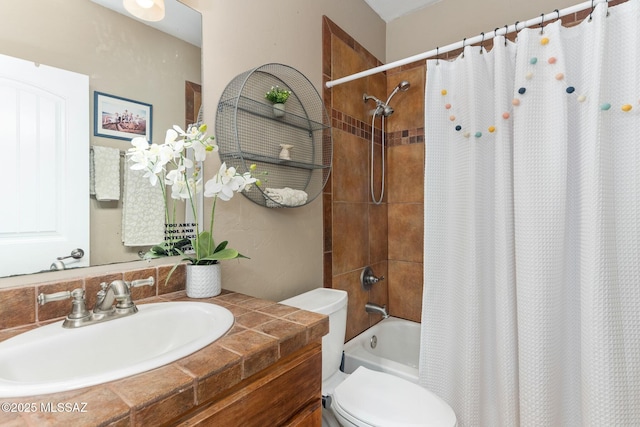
(556, 14)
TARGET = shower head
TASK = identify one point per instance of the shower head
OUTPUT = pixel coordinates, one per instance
(403, 86)
(383, 108)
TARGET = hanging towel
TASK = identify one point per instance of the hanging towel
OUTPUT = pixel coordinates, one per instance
(142, 210)
(104, 173)
(284, 197)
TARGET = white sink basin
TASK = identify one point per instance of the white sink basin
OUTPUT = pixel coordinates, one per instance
(52, 359)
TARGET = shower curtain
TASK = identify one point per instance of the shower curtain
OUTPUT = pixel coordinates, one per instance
(531, 302)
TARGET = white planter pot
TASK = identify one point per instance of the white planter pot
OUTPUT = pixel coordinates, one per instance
(278, 110)
(203, 281)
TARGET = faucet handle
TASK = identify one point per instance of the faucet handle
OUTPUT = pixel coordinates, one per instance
(368, 279)
(59, 296)
(149, 281)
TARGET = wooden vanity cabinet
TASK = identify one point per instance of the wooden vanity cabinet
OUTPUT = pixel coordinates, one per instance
(287, 393)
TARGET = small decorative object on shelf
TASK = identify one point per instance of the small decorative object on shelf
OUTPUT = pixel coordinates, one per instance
(278, 97)
(278, 110)
(285, 154)
(168, 165)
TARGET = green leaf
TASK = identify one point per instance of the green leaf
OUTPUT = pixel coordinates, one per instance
(221, 246)
(227, 253)
(204, 245)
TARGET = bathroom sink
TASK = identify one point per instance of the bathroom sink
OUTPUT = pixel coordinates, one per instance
(51, 358)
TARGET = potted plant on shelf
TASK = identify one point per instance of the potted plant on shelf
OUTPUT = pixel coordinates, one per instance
(168, 165)
(278, 97)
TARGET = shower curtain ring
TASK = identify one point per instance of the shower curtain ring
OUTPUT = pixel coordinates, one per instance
(558, 12)
(482, 44)
(506, 30)
(542, 24)
(464, 41)
(592, 8)
(437, 55)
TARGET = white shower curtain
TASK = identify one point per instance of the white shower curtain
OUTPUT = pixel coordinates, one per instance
(531, 303)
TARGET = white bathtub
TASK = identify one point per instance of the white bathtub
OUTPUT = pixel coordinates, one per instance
(396, 350)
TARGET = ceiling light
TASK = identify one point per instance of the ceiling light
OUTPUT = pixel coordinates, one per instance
(148, 10)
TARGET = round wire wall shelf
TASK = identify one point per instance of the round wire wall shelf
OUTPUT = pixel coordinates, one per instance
(292, 149)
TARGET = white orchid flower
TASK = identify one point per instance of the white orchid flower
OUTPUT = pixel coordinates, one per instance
(185, 189)
(227, 182)
(139, 143)
(175, 175)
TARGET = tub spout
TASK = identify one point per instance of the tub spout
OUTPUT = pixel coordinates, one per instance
(375, 308)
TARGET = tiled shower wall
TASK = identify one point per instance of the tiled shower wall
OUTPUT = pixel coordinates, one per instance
(357, 233)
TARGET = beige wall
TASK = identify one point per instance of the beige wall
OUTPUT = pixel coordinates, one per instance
(122, 57)
(449, 21)
(285, 245)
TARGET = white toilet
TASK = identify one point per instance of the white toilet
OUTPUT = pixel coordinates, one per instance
(366, 398)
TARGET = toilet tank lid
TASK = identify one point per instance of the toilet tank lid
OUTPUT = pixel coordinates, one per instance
(320, 300)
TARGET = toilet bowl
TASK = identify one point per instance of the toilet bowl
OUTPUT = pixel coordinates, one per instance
(366, 398)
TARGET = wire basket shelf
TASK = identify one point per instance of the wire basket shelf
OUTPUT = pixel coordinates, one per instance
(250, 130)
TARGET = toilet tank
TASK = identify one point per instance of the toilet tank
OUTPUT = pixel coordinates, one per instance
(333, 303)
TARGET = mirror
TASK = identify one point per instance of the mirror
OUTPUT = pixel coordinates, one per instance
(122, 57)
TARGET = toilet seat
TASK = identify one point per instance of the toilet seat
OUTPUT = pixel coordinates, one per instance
(370, 398)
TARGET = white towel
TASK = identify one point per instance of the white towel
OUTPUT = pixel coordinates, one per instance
(142, 210)
(284, 197)
(104, 173)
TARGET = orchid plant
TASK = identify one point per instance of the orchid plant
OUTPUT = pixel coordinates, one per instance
(168, 165)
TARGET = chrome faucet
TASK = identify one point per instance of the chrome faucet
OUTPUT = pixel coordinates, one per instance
(375, 308)
(118, 291)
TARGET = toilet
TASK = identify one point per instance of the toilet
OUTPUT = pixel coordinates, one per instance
(366, 398)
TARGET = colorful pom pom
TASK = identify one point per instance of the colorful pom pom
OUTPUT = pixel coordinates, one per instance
(626, 107)
(515, 102)
(533, 61)
(452, 118)
(529, 75)
(466, 134)
(571, 89)
(447, 106)
(443, 92)
(458, 128)
(552, 60)
(492, 129)
(559, 76)
(544, 41)
(478, 134)
(582, 98)
(605, 106)
(506, 115)
(522, 90)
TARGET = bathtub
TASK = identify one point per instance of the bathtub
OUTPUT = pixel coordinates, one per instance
(397, 346)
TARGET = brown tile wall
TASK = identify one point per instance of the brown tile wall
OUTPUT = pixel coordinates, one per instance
(19, 307)
(355, 228)
(358, 233)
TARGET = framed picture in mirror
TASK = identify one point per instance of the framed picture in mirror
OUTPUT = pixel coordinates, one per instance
(121, 118)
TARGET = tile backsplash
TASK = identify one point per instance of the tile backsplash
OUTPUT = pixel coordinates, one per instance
(19, 307)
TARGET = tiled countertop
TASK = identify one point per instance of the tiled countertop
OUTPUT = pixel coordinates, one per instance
(263, 333)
